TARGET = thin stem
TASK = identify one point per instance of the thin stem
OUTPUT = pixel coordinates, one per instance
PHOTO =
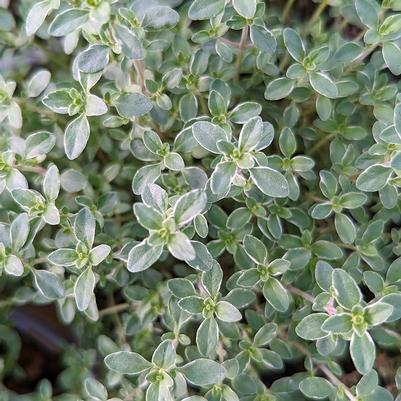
(114, 315)
(303, 294)
(324, 369)
(320, 143)
(284, 62)
(36, 109)
(336, 381)
(113, 309)
(139, 69)
(38, 261)
(229, 42)
(317, 13)
(241, 46)
(286, 10)
(234, 44)
(32, 169)
(203, 104)
(346, 246)
(362, 57)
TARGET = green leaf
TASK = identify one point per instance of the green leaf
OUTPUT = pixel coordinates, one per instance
(391, 54)
(148, 217)
(227, 312)
(340, 323)
(93, 59)
(205, 9)
(19, 231)
(212, 279)
(173, 161)
(13, 265)
(378, 313)
(95, 389)
(145, 176)
(373, 178)
(270, 182)
(181, 287)
(279, 88)
(76, 136)
(203, 259)
(265, 334)
(368, 12)
(129, 42)
(222, 176)
(84, 227)
(294, 44)
(203, 372)
(263, 39)
(310, 327)
(39, 143)
(217, 104)
(180, 247)
(68, 21)
(48, 284)
(208, 134)
(244, 112)
(327, 250)
(142, 256)
(245, 8)
(317, 388)
(63, 257)
(155, 197)
(83, 289)
(99, 253)
(397, 118)
(346, 289)
(192, 304)
(131, 105)
(207, 337)
(38, 83)
(394, 271)
(276, 294)
(255, 249)
(58, 101)
(188, 206)
(160, 17)
(164, 355)
(240, 297)
(251, 134)
(127, 363)
(363, 352)
(345, 228)
(51, 183)
(37, 15)
(323, 84)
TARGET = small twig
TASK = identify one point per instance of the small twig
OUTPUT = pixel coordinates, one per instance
(140, 71)
(32, 169)
(286, 10)
(336, 381)
(235, 44)
(241, 46)
(317, 14)
(320, 143)
(303, 294)
(324, 369)
(113, 309)
(36, 109)
(38, 261)
(362, 57)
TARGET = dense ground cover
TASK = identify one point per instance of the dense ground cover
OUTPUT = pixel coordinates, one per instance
(199, 200)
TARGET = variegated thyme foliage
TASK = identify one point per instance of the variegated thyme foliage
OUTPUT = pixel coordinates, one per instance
(207, 191)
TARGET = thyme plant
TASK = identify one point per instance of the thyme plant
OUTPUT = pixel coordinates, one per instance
(207, 193)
